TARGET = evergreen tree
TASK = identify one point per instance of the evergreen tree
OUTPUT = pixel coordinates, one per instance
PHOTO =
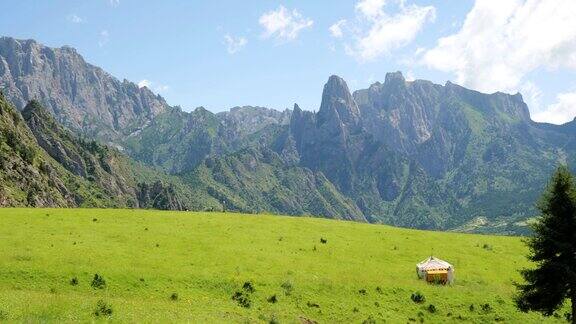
(553, 250)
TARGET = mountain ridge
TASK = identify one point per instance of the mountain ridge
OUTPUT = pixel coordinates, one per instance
(407, 153)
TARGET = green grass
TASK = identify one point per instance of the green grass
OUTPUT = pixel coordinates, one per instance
(146, 256)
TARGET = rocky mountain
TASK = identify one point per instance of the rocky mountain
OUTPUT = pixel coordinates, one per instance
(431, 156)
(178, 141)
(81, 96)
(409, 153)
(413, 154)
(257, 180)
(44, 164)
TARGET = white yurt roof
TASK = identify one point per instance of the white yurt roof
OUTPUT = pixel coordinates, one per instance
(432, 263)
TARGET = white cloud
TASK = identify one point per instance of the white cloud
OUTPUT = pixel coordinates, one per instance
(561, 111)
(564, 110)
(532, 96)
(144, 83)
(153, 86)
(336, 29)
(284, 25)
(372, 9)
(502, 41)
(410, 76)
(104, 38)
(377, 32)
(114, 3)
(75, 18)
(234, 44)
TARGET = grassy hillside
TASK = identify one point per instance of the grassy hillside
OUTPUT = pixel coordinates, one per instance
(363, 271)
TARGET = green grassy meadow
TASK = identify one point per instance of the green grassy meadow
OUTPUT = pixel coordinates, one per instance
(363, 272)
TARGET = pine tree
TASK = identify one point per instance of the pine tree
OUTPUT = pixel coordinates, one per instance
(553, 250)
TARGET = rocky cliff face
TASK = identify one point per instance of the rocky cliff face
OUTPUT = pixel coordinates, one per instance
(178, 141)
(426, 155)
(81, 96)
(247, 120)
(44, 165)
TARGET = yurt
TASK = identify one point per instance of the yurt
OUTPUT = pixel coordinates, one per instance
(435, 270)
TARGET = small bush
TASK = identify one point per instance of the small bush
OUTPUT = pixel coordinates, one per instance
(288, 287)
(242, 299)
(103, 309)
(379, 290)
(568, 317)
(323, 240)
(369, 320)
(486, 307)
(273, 320)
(431, 309)
(362, 291)
(248, 287)
(98, 282)
(355, 310)
(272, 299)
(312, 305)
(418, 297)
(3, 315)
(174, 296)
(487, 247)
(94, 219)
(74, 281)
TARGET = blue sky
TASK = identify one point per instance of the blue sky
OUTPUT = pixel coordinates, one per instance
(219, 54)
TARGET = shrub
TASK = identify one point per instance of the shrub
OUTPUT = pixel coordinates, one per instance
(379, 290)
(486, 307)
(242, 299)
(103, 309)
(74, 281)
(431, 309)
(418, 297)
(272, 299)
(248, 287)
(312, 304)
(174, 296)
(3, 315)
(287, 286)
(471, 308)
(98, 282)
(355, 309)
(362, 291)
(369, 320)
(273, 320)
(323, 240)
(568, 316)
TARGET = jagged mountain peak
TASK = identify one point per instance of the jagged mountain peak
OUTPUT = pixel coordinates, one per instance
(394, 77)
(338, 105)
(82, 96)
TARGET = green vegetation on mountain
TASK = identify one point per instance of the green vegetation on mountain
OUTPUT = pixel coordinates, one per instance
(44, 164)
(163, 266)
(256, 180)
(406, 153)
